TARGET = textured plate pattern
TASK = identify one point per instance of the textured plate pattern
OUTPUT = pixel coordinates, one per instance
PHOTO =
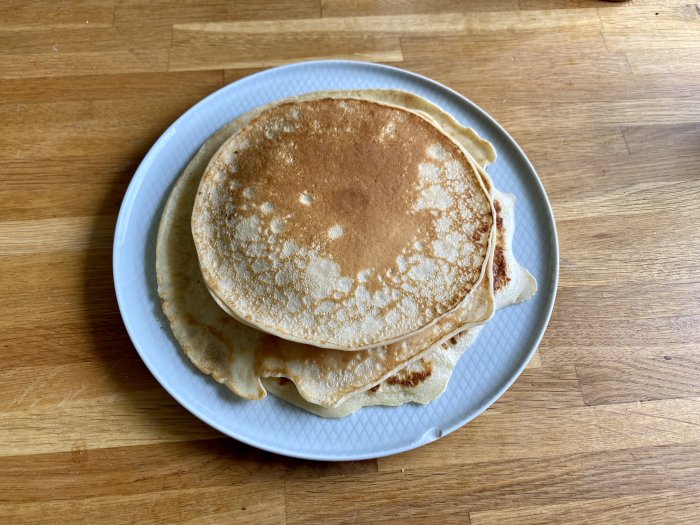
(485, 371)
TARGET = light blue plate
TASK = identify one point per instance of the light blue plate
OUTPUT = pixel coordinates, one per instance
(503, 349)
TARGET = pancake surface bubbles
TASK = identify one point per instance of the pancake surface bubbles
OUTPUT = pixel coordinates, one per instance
(343, 223)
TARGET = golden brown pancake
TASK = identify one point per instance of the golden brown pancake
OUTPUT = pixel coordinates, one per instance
(425, 379)
(343, 223)
(240, 356)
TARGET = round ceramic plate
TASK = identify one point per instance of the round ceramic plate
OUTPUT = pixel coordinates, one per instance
(502, 350)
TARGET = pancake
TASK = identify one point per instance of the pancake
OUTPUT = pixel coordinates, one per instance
(425, 379)
(480, 150)
(240, 356)
(342, 223)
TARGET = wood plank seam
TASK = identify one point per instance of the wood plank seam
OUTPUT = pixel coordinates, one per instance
(284, 490)
(622, 132)
(578, 381)
(627, 59)
(605, 40)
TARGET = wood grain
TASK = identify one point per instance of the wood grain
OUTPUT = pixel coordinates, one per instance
(18, 16)
(428, 494)
(604, 424)
(344, 8)
(211, 46)
(249, 503)
(670, 507)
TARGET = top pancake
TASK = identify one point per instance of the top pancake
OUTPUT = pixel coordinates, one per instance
(341, 223)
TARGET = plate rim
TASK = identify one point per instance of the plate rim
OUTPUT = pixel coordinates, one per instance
(140, 174)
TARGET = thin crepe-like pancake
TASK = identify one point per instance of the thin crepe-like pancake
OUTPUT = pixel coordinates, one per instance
(425, 379)
(341, 223)
(238, 355)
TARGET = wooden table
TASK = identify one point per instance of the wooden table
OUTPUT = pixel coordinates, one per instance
(604, 427)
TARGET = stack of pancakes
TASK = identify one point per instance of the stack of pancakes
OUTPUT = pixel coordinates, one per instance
(337, 249)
